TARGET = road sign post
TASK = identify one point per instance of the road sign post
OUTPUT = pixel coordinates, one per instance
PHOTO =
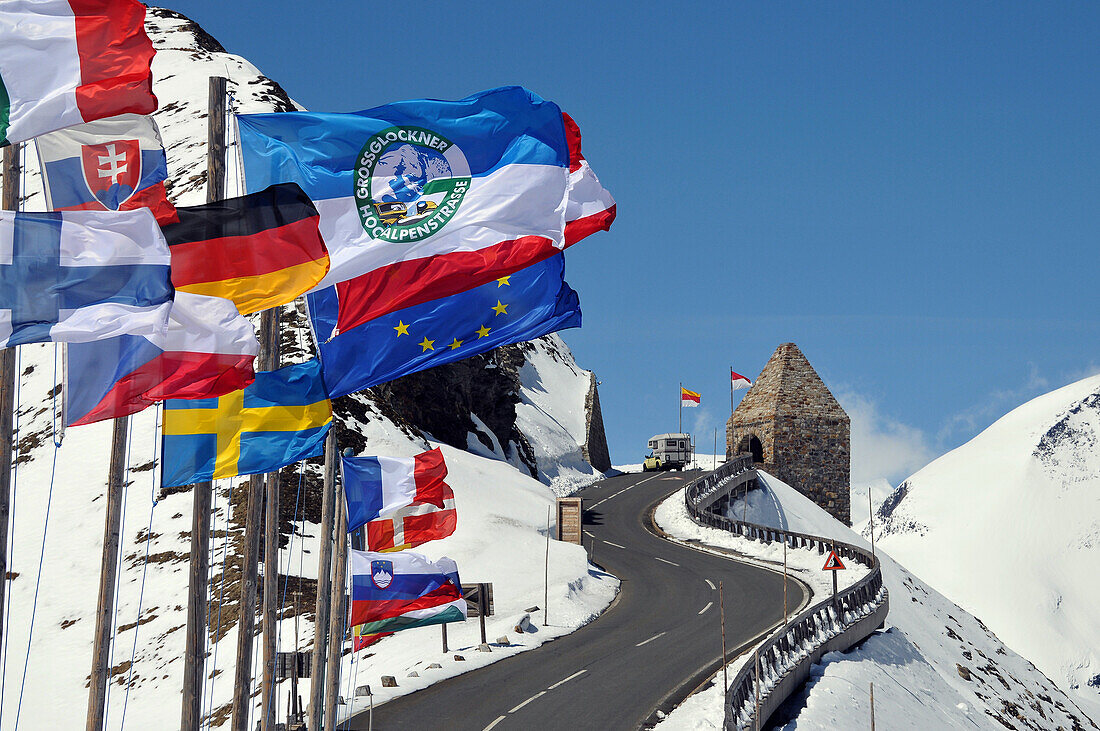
(834, 564)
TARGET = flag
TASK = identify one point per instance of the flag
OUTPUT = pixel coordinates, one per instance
(396, 591)
(114, 164)
(688, 398)
(260, 250)
(360, 640)
(281, 418)
(81, 275)
(737, 381)
(413, 525)
(207, 351)
(424, 199)
(523, 306)
(589, 206)
(378, 486)
(65, 62)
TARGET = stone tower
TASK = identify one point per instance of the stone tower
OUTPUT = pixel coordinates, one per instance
(796, 430)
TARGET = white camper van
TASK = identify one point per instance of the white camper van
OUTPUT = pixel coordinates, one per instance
(668, 452)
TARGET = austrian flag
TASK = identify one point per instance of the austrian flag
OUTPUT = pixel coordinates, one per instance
(65, 62)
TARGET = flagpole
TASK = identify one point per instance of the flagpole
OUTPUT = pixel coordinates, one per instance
(195, 640)
(8, 378)
(680, 423)
(731, 390)
(104, 619)
(269, 346)
(324, 576)
(337, 625)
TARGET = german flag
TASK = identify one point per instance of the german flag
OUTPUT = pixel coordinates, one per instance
(260, 250)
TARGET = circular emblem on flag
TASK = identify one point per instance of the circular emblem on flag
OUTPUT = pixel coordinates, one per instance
(409, 181)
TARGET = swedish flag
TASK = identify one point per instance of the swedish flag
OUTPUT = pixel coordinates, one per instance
(281, 418)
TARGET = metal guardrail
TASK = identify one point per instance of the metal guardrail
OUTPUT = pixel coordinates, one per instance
(782, 663)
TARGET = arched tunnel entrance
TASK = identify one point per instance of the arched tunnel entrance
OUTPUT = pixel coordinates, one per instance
(751, 444)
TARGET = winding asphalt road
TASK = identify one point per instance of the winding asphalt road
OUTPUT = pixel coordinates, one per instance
(658, 641)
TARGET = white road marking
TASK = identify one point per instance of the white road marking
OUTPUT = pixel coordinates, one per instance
(708, 606)
(521, 705)
(643, 642)
(616, 545)
(665, 560)
(620, 492)
(563, 682)
(589, 534)
(710, 584)
(494, 723)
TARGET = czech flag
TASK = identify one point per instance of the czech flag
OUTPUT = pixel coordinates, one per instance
(395, 591)
(261, 250)
(688, 398)
(208, 350)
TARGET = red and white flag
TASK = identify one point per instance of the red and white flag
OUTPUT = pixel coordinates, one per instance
(65, 62)
(688, 398)
(738, 381)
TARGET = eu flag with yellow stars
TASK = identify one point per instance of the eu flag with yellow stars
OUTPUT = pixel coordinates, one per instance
(532, 302)
(280, 419)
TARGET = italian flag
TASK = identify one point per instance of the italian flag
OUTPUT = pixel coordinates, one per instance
(688, 398)
(66, 62)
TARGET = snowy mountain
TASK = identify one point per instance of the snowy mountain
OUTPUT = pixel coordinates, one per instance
(57, 494)
(934, 666)
(1008, 526)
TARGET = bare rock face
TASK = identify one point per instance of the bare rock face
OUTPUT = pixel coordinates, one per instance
(595, 443)
(796, 430)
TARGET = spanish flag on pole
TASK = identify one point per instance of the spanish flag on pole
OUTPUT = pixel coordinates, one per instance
(688, 398)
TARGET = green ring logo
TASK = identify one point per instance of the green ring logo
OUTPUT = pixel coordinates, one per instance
(409, 182)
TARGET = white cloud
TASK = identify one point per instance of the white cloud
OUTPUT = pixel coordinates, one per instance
(882, 447)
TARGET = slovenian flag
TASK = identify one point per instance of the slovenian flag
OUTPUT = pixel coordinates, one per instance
(379, 486)
(208, 351)
(65, 62)
(396, 591)
(424, 199)
(260, 250)
(688, 398)
(114, 164)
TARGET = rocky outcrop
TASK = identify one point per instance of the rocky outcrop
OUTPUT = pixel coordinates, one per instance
(595, 442)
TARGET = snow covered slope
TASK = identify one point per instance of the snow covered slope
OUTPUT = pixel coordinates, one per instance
(57, 525)
(551, 413)
(934, 666)
(1008, 526)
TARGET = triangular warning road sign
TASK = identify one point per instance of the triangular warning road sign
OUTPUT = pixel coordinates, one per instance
(833, 563)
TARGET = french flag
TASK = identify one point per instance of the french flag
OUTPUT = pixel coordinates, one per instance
(378, 487)
(208, 350)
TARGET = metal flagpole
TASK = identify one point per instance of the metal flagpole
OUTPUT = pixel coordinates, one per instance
(546, 573)
(871, 518)
(324, 584)
(8, 378)
(195, 640)
(680, 396)
(104, 624)
(722, 614)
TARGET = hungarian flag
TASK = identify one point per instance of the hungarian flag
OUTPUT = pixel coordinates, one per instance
(207, 351)
(688, 398)
(111, 164)
(261, 250)
(738, 381)
(65, 62)
(396, 591)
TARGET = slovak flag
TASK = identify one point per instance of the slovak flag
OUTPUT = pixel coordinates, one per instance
(377, 487)
(396, 591)
(114, 164)
(688, 398)
(738, 381)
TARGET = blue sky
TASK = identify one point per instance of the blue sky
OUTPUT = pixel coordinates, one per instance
(908, 192)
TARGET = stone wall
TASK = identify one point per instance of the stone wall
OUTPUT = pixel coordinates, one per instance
(595, 441)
